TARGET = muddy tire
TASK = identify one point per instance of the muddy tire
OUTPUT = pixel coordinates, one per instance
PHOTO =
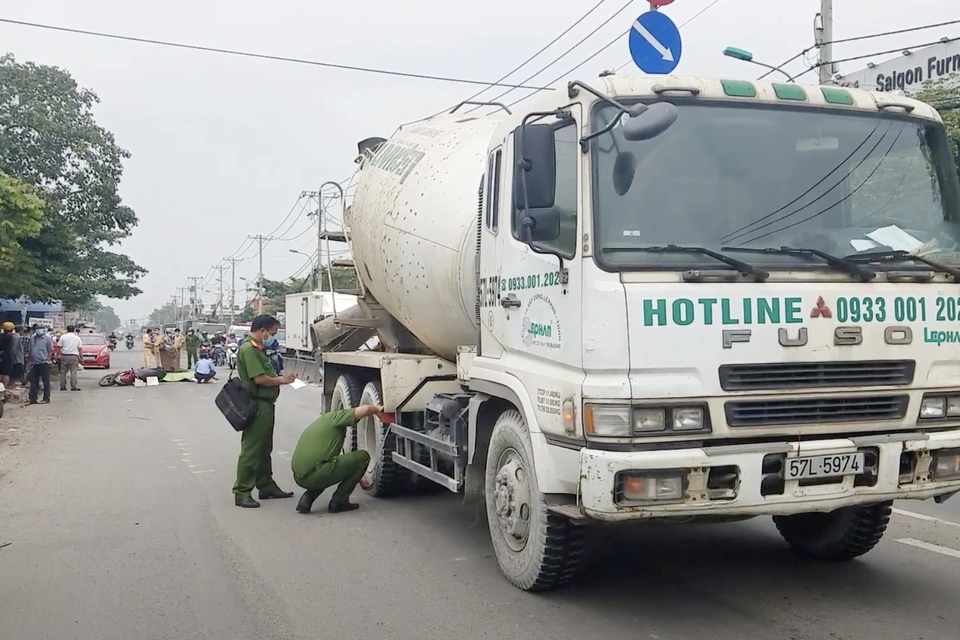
(537, 550)
(837, 536)
(384, 477)
(346, 395)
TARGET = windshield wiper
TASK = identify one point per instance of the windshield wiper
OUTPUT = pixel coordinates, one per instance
(745, 269)
(844, 264)
(898, 255)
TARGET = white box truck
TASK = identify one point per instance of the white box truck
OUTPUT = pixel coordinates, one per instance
(661, 297)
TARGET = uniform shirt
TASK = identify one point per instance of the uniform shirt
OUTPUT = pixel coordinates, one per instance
(70, 345)
(205, 367)
(252, 362)
(193, 341)
(40, 348)
(147, 342)
(321, 441)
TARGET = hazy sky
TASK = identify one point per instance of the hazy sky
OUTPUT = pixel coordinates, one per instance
(222, 146)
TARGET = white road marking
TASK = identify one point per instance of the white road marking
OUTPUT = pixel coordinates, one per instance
(920, 544)
(202, 471)
(921, 516)
(178, 440)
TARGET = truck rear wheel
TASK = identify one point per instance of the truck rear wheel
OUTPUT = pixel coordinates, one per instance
(346, 395)
(537, 550)
(837, 536)
(384, 477)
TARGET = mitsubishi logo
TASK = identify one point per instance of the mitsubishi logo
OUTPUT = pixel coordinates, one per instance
(821, 310)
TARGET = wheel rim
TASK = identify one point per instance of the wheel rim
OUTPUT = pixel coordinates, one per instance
(367, 441)
(512, 499)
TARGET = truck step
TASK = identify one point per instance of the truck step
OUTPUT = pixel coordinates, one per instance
(404, 456)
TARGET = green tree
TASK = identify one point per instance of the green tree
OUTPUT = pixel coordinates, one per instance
(105, 318)
(49, 139)
(21, 218)
(944, 94)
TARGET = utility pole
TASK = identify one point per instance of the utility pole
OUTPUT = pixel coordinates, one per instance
(233, 285)
(180, 317)
(260, 240)
(823, 36)
(195, 297)
(220, 298)
(322, 231)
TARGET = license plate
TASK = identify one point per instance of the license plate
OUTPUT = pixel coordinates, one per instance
(837, 464)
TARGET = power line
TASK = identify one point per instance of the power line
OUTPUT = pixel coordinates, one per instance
(864, 37)
(542, 49)
(262, 56)
(871, 55)
(607, 46)
(560, 57)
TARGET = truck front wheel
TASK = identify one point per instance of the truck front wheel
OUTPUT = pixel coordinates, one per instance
(837, 536)
(537, 550)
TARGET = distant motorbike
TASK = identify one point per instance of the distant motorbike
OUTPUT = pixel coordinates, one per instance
(112, 343)
(129, 342)
(232, 355)
(219, 355)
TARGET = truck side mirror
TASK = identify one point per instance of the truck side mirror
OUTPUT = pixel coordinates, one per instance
(535, 178)
(540, 225)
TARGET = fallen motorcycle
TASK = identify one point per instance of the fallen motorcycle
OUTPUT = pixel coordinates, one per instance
(127, 377)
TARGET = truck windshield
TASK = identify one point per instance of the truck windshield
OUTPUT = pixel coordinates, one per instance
(727, 177)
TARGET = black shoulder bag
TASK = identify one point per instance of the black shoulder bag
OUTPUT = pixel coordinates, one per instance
(237, 403)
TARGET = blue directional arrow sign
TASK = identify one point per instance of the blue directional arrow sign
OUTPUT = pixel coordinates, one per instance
(655, 43)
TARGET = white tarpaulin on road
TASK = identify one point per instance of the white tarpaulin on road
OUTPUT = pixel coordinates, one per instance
(908, 73)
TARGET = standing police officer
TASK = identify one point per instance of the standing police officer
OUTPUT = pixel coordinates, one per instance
(254, 468)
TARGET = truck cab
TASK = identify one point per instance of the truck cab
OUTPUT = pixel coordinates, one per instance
(750, 309)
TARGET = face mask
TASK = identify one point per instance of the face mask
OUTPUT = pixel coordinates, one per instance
(40, 332)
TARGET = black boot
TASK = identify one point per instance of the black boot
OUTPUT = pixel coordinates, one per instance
(275, 493)
(339, 507)
(246, 501)
(307, 500)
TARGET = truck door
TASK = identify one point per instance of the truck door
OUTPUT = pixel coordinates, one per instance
(532, 313)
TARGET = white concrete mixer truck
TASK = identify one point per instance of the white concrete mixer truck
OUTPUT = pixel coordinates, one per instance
(660, 297)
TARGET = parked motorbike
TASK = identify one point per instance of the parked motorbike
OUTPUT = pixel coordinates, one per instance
(232, 350)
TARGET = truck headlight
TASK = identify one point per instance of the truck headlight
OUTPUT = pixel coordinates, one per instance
(687, 418)
(946, 464)
(624, 421)
(609, 420)
(649, 486)
(937, 407)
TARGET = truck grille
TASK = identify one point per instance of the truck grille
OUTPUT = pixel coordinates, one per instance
(807, 375)
(815, 410)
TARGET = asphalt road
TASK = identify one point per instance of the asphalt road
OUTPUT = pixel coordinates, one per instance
(118, 521)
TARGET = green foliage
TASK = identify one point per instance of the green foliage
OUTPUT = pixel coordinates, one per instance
(944, 94)
(21, 217)
(50, 140)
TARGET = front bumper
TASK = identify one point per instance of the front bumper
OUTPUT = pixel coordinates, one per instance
(741, 495)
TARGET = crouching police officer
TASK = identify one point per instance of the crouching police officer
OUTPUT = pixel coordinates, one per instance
(254, 468)
(317, 462)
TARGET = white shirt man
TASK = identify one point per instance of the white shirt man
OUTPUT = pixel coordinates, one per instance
(70, 344)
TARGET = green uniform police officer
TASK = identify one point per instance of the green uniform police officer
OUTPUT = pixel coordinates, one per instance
(254, 468)
(317, 462)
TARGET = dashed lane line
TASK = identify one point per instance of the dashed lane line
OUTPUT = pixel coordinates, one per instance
(921, 516)
(927, 546)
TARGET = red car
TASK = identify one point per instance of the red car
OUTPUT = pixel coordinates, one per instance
(96, 353)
